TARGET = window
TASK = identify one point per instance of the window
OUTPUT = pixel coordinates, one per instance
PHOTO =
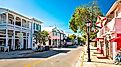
(34, 26)
(3, 18)
(37, 27)
(18, 21)
(40, 27)
(10, 19)
(56, 34)
(53, 33)
(23, 23)
(27, 24)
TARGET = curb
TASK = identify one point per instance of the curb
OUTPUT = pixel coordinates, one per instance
(80, 61)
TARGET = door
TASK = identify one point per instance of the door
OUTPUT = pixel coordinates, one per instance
(49, 41)
(24, 47)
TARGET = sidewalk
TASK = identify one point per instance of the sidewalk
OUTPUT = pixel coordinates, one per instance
(97, 60)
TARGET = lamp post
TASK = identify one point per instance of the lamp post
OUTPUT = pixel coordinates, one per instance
(88, 23)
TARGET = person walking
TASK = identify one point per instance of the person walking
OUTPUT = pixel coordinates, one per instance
(118, 57)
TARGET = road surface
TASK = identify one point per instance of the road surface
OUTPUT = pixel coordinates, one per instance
(60, 58)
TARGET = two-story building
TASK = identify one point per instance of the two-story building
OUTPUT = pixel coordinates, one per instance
(109, 36)
(16, 30)
(56, 36)
(36, 27)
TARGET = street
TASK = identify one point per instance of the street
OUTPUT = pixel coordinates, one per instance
(60, 33)
(65, 57)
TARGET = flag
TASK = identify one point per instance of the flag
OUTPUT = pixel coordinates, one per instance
(101, 21)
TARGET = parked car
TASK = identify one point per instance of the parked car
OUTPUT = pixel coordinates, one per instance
(69, 43)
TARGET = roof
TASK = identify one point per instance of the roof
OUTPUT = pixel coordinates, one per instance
(14, 13)
(37, 20)
(49, 28)
(53, 28)
(20, 15)
(113, 7)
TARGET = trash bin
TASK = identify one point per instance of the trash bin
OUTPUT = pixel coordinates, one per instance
(47, 48)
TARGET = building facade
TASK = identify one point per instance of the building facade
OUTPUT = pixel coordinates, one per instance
(109, 36)
(15, 30)
(36, 27)
(56, 37)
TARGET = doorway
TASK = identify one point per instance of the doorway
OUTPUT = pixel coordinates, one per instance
(17, 44)
(49, 41)
(9, 44)
(24, 47)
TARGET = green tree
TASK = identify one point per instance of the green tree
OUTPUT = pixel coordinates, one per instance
(83, 38)
(81, 15)
(42, 37)
(79, 40)
(72, 37)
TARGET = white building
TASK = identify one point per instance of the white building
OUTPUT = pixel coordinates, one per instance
(16, 31)
(56, 36)
(36, 26)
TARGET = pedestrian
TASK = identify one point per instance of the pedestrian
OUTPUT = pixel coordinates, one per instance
(118, 57)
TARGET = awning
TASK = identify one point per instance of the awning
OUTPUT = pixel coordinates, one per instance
(115, 39)
(97, 39)
(55, 37)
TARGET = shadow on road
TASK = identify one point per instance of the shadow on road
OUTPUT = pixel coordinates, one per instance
(44, 54)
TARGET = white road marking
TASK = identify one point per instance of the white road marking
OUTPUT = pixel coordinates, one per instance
(23, 59)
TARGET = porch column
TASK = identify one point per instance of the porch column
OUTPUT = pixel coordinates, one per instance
(114, 49)
(29, 41)
(26, 41)
(14, 39)
(6, 29)
(14, 33)
(109, 49)
(6, 37)
(60, 39)
(57, 42)
(104, 49)
(98, 45)
(12, 42)
(21, 36)
(22, 45)
(31, 35)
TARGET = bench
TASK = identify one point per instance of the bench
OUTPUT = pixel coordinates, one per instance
(5, 48)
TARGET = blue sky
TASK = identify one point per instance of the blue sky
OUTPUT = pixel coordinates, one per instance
(51, 12)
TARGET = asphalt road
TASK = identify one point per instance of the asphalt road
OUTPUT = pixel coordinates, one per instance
(56, 58)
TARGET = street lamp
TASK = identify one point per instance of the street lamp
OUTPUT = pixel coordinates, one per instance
(88, 23)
